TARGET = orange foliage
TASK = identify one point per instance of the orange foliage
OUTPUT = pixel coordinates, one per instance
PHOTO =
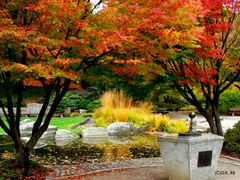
(58, 38)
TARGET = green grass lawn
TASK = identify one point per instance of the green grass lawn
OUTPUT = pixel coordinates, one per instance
(61, 123)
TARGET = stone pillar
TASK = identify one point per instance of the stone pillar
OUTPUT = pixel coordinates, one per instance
(191, 157)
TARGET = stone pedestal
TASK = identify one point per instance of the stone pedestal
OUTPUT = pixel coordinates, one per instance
(191, 158)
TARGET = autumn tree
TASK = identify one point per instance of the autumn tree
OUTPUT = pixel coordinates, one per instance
(195, 42)
(50, 44)
(213, 66)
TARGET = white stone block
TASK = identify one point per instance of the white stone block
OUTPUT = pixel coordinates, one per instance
(191, 158)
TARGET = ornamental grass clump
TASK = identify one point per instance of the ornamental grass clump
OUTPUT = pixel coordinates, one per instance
(118, 108)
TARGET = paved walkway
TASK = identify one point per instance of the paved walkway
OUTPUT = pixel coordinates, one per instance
(137, 169)
(202, 125)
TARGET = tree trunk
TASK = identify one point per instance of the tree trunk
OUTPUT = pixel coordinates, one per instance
(22, 159)
(217, 120)
(213, 119)
(212, 124)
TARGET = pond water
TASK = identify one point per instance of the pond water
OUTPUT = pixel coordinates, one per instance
(109, 149)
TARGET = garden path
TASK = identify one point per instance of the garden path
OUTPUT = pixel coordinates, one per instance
(137, 169)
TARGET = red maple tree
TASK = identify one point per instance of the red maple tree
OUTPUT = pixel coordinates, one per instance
(195, 42)
(50, 44)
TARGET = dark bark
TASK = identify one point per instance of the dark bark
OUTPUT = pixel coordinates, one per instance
(210, 112)
(23, 151)
(22, 159)
(211, 123)
(216, 118)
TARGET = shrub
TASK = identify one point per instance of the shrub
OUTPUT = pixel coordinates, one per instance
(144, 147)
(79, 100)
(86, 115)
(93, 105)
(140, 147)
(175, 126)
(232, 139)
(74, 114)
(117, 108)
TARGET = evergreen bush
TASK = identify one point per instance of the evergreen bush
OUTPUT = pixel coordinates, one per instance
(232, 139)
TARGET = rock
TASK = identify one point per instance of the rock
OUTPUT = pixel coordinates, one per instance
(65, 134)
(87, 122)
(82, 111)
(25, 140)
(141, 129)
(26, 127)
(49, 134)
(4, 137)
(67, 111)
(39, 144)
(34, 108)
(94, 131)
(120, 129)
(26, 122)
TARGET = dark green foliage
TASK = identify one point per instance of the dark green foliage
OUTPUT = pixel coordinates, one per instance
(169, 103)
(229, 100)
(79, 100)
(93, 105)
(232, 139)
(136, 87)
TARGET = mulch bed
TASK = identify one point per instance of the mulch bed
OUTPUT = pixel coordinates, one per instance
(230, 155)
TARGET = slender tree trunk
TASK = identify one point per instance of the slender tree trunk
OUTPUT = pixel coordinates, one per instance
(217, 120)
(211, 123)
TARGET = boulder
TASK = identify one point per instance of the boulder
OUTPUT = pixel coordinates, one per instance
(120, 129)
(87, 122)
(65, 134)
(82, 111)
(25, 140)
(94, 131)
(26, 127)
(49, 134)
(39, 144)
